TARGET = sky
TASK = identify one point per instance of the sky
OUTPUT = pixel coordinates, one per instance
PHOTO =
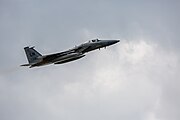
(136, 79)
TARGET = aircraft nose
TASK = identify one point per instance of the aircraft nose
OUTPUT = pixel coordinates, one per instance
(114, 42)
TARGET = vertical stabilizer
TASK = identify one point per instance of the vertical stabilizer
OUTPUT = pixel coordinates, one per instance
(32, 54)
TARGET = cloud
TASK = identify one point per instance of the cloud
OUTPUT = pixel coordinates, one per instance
(137, 78)
(118, 85)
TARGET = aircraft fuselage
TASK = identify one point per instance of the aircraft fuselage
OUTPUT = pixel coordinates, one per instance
(36, 59)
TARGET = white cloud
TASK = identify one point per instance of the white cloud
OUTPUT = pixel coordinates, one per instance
(136, 79)
(129, 80)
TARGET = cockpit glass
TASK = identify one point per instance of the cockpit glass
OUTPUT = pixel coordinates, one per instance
(95, 40)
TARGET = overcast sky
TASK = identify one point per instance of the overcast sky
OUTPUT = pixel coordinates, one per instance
(136, 79)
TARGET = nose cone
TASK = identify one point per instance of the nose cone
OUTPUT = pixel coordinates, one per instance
(116, 41)
(111, 42)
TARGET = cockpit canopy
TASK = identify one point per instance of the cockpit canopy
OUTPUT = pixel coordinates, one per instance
(95, 40)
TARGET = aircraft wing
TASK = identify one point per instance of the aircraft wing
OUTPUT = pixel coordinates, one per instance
(56, 55)
(51, 57)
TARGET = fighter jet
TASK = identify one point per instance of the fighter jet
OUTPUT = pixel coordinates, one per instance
(35, 59)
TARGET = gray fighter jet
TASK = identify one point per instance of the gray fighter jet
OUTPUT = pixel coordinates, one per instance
(35, 59)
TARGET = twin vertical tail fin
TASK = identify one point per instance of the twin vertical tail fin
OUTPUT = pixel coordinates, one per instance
(32, 55)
